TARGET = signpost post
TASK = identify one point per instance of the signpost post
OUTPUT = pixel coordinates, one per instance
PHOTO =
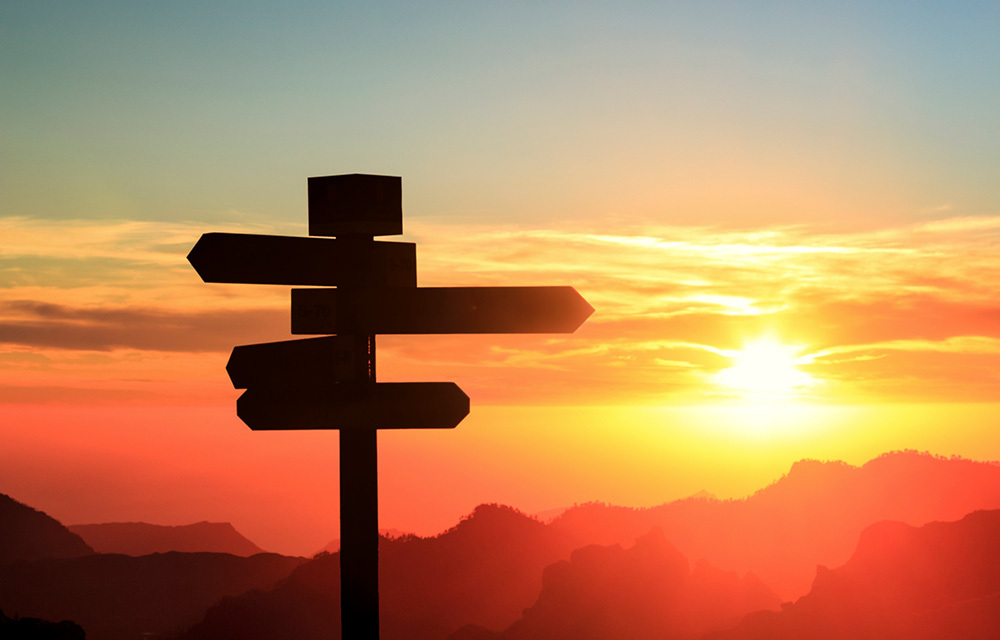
(329, 382)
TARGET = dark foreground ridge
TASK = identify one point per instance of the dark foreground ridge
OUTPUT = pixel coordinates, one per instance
(116, 597)
(29, 534)
(37, 629)
(502, 574)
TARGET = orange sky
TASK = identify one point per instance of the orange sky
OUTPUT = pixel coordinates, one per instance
(785, 215)
(114, 376)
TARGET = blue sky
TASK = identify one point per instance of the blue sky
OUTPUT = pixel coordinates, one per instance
(500, 111)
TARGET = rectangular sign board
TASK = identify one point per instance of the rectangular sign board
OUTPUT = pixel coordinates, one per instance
(439, 310)
(355, 204)
(382, 405)
(261, 259)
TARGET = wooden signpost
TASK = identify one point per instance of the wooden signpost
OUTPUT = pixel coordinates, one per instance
(329, 382)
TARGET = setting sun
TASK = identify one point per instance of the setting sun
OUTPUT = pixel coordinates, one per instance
(765, 367)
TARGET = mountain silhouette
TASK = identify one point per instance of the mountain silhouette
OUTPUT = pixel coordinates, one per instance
(941, 580)
(646, 591)
(487, 578)
(140, 539)
(29, 534)
(811, 516)
(485, 570)
(117, 597)
(37, 629)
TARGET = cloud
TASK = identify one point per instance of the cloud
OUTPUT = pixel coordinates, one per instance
(669, 301)
(54, 326)
(960, 224)
(956, 344)
(131, 240)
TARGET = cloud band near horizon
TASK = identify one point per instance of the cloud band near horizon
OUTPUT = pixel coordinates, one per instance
(892, 313)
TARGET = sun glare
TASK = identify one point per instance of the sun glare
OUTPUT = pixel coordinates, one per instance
(765, 368)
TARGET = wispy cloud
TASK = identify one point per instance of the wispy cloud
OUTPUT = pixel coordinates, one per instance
(46, 325)
(956, 344)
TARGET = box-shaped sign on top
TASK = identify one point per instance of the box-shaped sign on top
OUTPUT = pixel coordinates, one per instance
(355, 204)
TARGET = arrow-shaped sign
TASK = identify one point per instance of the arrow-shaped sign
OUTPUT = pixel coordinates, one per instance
(293, 362)
(261, 259)
(439, 310)
(383, 405)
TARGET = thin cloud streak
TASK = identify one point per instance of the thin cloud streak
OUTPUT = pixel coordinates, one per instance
(957, 344)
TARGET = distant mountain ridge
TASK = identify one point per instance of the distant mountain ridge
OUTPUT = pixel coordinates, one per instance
(29, 534)
(501, 574)
(484, 570)
(140, 538)
(51, 574)
(941, 580)
(812, 515)
(646, 591)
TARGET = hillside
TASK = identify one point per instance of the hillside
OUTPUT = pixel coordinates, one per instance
(29, 534)
(646, 591)
(941, 580)
(485, 570)
(811, 516)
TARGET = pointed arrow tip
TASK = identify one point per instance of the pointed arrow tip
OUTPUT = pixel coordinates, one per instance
(196, 255)
(584, 308)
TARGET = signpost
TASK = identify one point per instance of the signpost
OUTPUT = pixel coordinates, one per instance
(441, 310)
(329, 382)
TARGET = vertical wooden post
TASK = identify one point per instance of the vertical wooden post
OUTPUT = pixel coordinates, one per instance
(359, 534)
(359, 487)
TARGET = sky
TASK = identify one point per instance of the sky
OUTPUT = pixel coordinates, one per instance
(786, 216)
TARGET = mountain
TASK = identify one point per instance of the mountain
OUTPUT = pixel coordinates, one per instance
(941, 580)
(811, 516)
(485, 570)
(117, 597)
(140, 539)
(28, 534)
(646, 591)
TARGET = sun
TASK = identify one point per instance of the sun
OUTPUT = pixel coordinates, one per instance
(765, 368)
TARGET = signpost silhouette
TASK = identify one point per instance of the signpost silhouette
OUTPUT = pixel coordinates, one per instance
(329, 382)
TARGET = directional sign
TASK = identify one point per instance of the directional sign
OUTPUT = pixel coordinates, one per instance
(260, 259)
(329, 382)
(439, 310)
(355, 204)
(293, 362)
(383, 405)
